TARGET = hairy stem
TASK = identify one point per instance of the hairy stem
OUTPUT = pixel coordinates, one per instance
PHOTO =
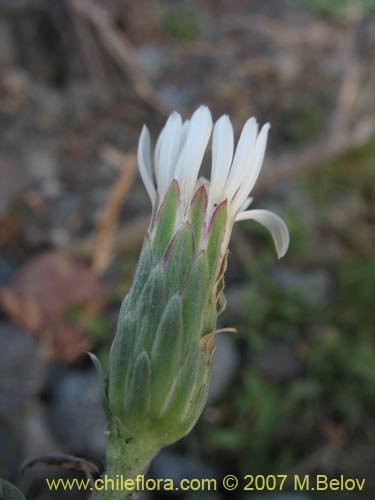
(127, 460)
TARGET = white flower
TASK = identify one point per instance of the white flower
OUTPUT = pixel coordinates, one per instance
(179, 153)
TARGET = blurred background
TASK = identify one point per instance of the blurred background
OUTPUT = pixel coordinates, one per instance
(292, 391)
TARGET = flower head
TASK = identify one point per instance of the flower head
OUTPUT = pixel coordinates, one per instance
(159, 365)
(178, 158)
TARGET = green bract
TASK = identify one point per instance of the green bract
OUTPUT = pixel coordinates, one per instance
(159, 364)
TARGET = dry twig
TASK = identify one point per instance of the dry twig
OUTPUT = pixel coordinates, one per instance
(104, 233)
(336, 143)
(92, 57)
(341, 135)
(121, 50)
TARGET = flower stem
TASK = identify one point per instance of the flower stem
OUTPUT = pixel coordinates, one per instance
(126, 462)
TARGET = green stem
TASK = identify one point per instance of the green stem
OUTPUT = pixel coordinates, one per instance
(126, 460)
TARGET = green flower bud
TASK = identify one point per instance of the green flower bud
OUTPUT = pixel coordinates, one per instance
(156, 384)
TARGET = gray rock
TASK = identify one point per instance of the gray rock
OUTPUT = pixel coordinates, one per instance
(208, 495)
(288, 65)
(10, 451)
(18, 370)
(145, 495)
(236, 311)
(79, 100)
(293, 196)
(314, 287)
(224, 365)
(286, 495)
(41, 160)
(152, 61)
(13, 180)
(37, 438)
(169, 464)
(7, 268)
(278, 362)
(7, 45)
(173, 96)
(60, 236)
(76, 415)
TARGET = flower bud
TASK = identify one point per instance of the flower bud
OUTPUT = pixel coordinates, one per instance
(158, 373)
(159, 367)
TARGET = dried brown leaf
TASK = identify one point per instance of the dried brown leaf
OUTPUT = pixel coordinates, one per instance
(42, 292)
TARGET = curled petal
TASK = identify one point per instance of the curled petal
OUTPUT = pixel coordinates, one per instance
(144, 162)
(274, 224)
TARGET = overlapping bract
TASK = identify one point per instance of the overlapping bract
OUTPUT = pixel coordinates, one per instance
(159, 369)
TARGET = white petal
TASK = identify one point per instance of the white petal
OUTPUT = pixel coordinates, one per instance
(274, 224)
(222, 155)
(169, 149)
(185, 128)
(191, 156)
(157, 164)
(256, 164)
(144, 162)
(246, 203)
(242, 158)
